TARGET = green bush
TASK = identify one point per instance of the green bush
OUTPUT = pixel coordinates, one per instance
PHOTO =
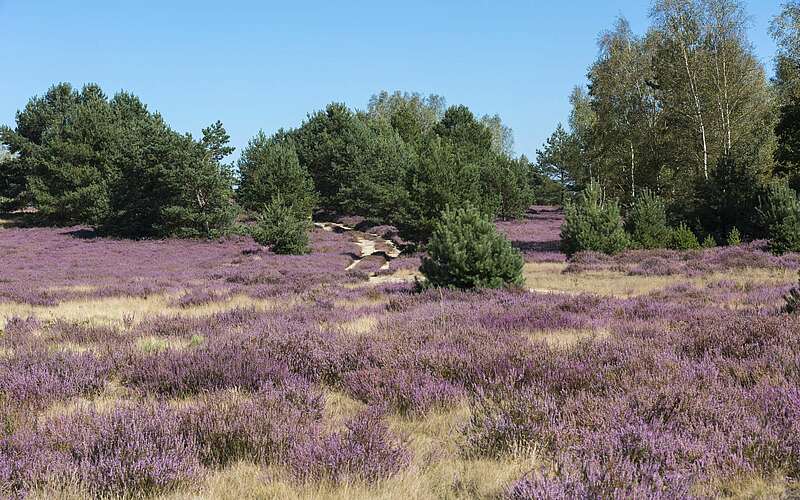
(647, 222)
(785, 237)
(283, 227)
(780, 215)
(734, 238)
(466, 251)
(593, 223)
(682, 238)
(709, 242)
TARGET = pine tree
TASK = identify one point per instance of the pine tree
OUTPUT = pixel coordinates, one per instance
(282, 227)
(466, 251)
(647, 221)
(593, 223)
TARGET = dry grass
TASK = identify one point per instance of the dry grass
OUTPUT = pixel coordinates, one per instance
(116, 311)
(566, 338)
(753, 487)
(548, 277)
(359, 326)
(399, 276)
(112, 394)
(438, 469)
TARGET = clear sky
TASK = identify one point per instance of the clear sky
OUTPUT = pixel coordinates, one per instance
(265, 65)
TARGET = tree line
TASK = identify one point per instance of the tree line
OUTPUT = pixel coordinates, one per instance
(80, 157)
(685, 112)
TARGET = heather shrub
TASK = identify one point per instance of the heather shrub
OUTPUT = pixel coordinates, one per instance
(128, 451)
(734, 238)
(647, 222)
(364, 451)
(406, 391)
(466, 251)
(232, 426)
(224, 364)
(682, 238)
(282, 227)
(594, 223)
(792, 299)
(37, 376)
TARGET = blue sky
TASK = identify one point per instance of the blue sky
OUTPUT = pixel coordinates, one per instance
(265, 65)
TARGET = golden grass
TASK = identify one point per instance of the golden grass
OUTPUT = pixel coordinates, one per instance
(399, 276)
(548, 277)
(112, 394)
(359, 326)
(566, 338)
(117, 310)
(751, 487)
(438, 470)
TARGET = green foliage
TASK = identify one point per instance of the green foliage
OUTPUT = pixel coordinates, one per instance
(557, 163)
(169, 185)
(439, 180)
(734, 238)
(466, 251)
(647, 221)
(283, 227)
(269, 167)
(412, 115)
(785, 237)
(65, 142)
(510, 181)
(406, 159)
(110, 163)
(727, 200)
(780, 215)
(778, 203)
(682, 238)
(12, 181)
(709, 242)
(377, 190)
(593, 223)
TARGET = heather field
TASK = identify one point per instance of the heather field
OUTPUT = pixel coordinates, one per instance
(196, 369)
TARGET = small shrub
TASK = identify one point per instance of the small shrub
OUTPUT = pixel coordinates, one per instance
(283, 228)
(792, 300)
(647, 222)
(785, 237)
(709, 241)
(365, 450)
(593, 223)
(466, 251)
(682, 238)
(780, 216)
(734, 238)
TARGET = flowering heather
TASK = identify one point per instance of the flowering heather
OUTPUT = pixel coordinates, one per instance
(365, 450)
(318, 375)
(663, 262)
(131, 449)
(45, 266)
(537, 235)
